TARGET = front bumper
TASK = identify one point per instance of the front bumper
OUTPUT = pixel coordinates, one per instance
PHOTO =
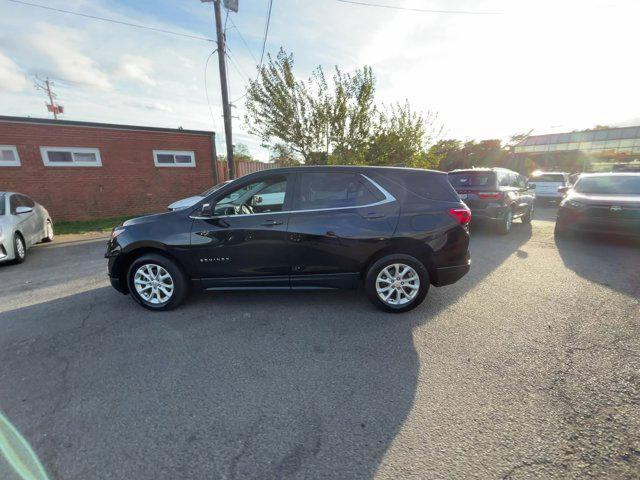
(449, 275)
(6, 252)
(576, 222)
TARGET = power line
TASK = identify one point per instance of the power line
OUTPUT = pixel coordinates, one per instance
(266, 33)
(128, 24)
(423, 10)
(206, 90)
(244, 41)
(264, 43)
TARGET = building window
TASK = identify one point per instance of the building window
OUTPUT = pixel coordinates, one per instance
(70, 157)
(9, 156)
(170, 158)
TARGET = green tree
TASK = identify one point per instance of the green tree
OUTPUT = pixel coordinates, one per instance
(336, 121)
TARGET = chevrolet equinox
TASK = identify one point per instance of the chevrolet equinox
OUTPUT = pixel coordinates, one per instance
(397, 230)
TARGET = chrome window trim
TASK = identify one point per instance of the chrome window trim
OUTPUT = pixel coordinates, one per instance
(388, 198)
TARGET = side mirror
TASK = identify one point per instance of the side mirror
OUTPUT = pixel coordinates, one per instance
(564, 189)
(22, 209)
(532, 186)
(206, 210)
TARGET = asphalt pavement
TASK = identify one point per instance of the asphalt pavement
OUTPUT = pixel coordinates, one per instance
(529, 367)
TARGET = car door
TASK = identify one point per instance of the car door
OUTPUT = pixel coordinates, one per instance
(34, 219)
(242, 243)
(339, 220)
(24, 220)
(524, 196)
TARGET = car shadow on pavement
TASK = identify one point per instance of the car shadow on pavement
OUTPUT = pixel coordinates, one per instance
(609, 260)
(230, 385)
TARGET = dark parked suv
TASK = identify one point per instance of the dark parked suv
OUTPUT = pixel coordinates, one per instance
(497, 195)
(306, 228)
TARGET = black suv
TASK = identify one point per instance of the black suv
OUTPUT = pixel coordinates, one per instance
(495, 194)
(305, 228)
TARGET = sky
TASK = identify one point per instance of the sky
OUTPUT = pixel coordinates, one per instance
(546, 66)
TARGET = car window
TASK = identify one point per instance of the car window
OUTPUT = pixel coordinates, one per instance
(549, 177)
(609, 185)
(3, 198)
(26, 201)
(519, 181)
(320, 190)
(505, 180)
(266, 195)
(14, 202)
(472, 179)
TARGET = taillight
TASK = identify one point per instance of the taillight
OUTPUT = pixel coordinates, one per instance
(463, 215)
(490, 195)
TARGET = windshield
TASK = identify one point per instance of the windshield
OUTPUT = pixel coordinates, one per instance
(215, 188)
(472, 179)
(2, 203)
(609, 185)
(549, 177)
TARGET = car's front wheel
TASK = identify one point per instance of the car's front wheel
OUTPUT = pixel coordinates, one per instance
(397, 283)
(504, 225)
(19, 248)
(527, 217)
(156, 282)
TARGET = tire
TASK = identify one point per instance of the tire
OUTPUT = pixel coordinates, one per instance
(148, 282)
(48, 232)
(389, 264)
(505, 224)
(19, 248)
(527, 217)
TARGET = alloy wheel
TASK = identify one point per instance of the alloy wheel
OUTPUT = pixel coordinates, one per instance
(20, 250)
(397, 284)
(154, 284)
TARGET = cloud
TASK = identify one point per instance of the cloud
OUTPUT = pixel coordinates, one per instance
(61, 47)
(11, 78)
(137, 68)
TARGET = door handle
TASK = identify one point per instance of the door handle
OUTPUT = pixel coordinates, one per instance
(272, 223)
(372, 215)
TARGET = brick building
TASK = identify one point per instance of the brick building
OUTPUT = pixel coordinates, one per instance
(82, 170)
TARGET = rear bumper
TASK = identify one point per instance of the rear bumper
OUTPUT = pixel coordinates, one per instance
(449, 275)
(491, 213)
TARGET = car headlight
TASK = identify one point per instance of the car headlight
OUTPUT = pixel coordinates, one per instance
(116, 231)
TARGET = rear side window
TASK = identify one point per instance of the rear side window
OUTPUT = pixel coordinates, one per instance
(430, 186)
(549, 177)
(320, 190)
(472, 179)
(26, 201)
(2, 203)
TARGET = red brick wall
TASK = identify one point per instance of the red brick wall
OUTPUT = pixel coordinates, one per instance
(127, 183)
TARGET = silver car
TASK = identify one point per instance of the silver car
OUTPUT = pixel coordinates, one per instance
(23, 223)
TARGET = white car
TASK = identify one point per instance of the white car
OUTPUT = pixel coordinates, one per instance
(23, 223)
(547, 184)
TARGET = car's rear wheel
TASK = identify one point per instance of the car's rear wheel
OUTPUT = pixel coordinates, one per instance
(504, 225)
(397, 283)
(156, 282)
(48, 232)
(19, 248)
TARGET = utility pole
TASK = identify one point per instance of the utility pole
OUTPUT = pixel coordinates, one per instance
(45, 86)
(226, 108)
